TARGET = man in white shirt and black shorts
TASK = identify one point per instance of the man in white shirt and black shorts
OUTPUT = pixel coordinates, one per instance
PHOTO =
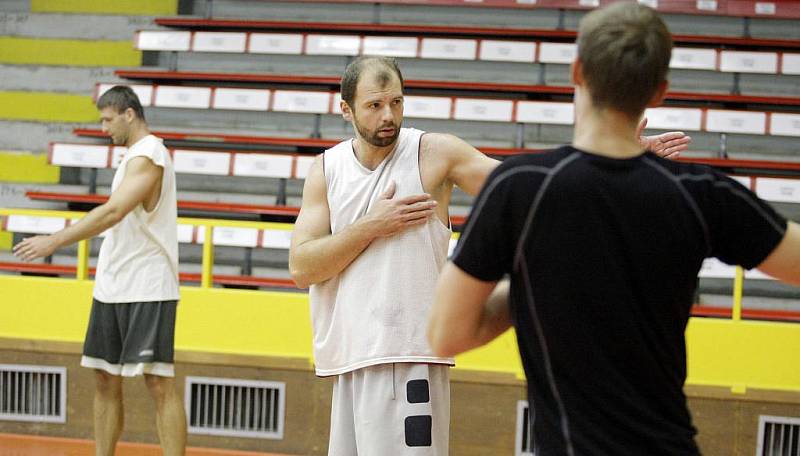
(132, 322)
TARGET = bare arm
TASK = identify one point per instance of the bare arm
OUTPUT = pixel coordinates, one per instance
(317, 255)
(467, 167)
(141, 177)
(467, 312)
(784, 262)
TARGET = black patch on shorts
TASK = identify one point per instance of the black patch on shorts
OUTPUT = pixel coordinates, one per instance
(418, 430)
(417, 391)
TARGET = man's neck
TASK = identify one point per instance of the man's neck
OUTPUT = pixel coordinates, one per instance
(371, 156)
(137, 133)
(607, 133)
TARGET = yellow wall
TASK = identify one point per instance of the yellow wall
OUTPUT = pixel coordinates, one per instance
(130, 7)
(47, 51)
(27, 167)
(53, 107)
(738, 355)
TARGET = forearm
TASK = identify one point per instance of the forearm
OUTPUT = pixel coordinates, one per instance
(496, 316)
(93, 223)
(318, 260)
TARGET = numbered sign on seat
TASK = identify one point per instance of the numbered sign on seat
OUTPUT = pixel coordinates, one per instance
(275, 43)
(427, 107)
(241, 99)
(230, 236)
(790, 64)
(715, 269)
(152, 40)
(745, 122)
(449, 49)
(297, 101)
(276, 239)
(336, 105)
(201, 162)
(143, 92)
(183, 97)
(784, 124)
(332, 44)
(778, 190)
(480, 109)
(508, 51)
(694, 59)
(391, 46)
(557, 52)
(79, 155)
(545, 112)
(117, 153)
(748, 62)
(263, 165)
(690, 119)
(303, 164)
(185, 234)
(34, 225)
(219, 42)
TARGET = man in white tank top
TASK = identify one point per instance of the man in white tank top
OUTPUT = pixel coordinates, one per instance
(370, 240)
(132, 322)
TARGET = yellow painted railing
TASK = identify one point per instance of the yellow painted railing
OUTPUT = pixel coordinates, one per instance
(206, 280)
(729, 352)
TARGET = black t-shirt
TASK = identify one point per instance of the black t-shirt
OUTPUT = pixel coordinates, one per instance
(603, 256)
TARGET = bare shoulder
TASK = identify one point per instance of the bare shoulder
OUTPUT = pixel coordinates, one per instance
(443, 143)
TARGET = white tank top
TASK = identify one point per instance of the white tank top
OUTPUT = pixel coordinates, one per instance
(138, 260)
(376, 310)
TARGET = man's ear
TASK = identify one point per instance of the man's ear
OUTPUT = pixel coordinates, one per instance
(576, 72)
(129, 115)
(658, 97)
(347, 113)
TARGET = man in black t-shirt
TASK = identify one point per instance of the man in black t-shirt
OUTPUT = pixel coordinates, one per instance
(603, 243)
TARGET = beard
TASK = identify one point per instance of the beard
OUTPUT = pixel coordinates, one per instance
(378, 141)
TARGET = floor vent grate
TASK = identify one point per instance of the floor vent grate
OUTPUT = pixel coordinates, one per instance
(778, 436)
(33, 393)
(235, 407)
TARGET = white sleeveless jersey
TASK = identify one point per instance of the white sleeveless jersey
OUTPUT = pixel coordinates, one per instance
(138, 260)
(376, 310)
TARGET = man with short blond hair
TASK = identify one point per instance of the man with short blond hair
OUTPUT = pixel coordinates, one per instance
(603, 242)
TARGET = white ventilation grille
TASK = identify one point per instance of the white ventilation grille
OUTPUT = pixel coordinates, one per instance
(524, 440)
(234, 407)
(33, 393)
(778, 436)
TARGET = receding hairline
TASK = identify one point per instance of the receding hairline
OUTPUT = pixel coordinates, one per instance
(382, 75)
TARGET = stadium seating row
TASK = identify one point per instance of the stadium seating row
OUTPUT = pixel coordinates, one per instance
(496, 88)
(459, 108)
(727, 61)
(277, 236)
(293, 166)
(736, 8)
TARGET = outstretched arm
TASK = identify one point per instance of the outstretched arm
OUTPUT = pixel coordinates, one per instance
(317, 255)
(141, 177)
(467, 312)
(784, 262)
(666, 145)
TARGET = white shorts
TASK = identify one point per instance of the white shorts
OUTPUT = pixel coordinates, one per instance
(391, 409)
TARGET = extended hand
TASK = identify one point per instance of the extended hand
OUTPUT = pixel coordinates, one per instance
(35, 247)
(666, 145)
(389, 216)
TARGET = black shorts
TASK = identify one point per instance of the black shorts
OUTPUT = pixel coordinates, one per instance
(131, 339)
